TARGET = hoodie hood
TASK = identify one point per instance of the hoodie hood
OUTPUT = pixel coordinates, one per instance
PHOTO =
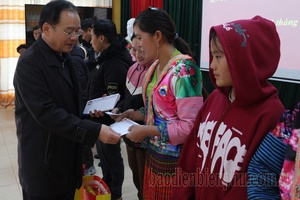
(252, 50)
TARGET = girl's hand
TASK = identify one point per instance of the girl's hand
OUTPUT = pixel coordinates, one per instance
(123, 115)
(115, 111)
(137, 133)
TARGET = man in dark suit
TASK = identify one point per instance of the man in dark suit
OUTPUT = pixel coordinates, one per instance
(48, 109)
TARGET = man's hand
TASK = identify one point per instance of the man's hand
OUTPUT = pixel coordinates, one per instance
(108, 136)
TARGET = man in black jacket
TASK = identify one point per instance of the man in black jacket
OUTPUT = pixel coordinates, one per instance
(86, 26)
(78, 56)
(90, 61)
(109, 78)
(48, 110)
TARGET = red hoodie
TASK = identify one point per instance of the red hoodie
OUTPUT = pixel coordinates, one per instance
(214, 160)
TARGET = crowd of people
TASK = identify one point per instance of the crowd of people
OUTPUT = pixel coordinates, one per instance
(239, 142)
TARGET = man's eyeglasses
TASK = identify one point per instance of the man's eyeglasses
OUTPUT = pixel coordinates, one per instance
(70, 33)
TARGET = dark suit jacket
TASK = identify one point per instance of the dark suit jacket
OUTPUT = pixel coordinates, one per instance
(49, 129)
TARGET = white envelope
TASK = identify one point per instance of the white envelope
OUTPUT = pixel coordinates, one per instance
(122, 126)
(113, 114)
(104, 103)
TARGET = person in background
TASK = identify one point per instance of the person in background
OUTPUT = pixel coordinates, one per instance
(21, 48)
(48, 109)
(78, 55)
(132, 52)
(134, 100)
(129, 29)
(86, 26)
(288, 130)
(172, 95)
(129, 37)
(36, 31)
(236, 117)
(295, 187)
(109, 78)
(91, 62)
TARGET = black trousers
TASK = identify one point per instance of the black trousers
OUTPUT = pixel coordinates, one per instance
(87, 156)
(136, 161)
(111, 163)
(67, 196)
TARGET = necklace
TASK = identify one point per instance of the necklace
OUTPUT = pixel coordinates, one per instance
(158, 71)
(165, 62)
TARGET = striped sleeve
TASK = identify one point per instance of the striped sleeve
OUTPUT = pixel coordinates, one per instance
(264, 169)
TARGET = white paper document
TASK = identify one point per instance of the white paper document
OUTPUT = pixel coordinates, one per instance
(122, 126)
(104, 103)
(113, 114)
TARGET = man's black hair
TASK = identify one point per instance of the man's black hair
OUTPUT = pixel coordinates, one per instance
(86, 24)
(52, 10)
(36, 27)
(21, 46)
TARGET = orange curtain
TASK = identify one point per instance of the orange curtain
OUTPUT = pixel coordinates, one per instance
(139, 5)
(12, 17)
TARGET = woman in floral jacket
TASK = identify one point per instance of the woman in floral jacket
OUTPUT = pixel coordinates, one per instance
(289, 131)
(172, 94)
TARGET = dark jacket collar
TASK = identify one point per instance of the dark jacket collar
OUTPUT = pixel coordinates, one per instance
(50, 55)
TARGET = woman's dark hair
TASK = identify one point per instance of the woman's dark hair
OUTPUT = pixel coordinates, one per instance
(105, 27)
(52, 10)
(154, 19)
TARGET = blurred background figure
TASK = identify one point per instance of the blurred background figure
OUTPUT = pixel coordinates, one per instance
(129, 37)
(129, 29)
(109, 77)
(86, 26)
(21, 48)
(36, 32)
(134, 100)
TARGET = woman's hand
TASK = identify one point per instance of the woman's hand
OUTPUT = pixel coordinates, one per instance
(136, 133)
(123, 115)
(115, 113)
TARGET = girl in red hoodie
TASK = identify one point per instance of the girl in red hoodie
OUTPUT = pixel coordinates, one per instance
(236, 117)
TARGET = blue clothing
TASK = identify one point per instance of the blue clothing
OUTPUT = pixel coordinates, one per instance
(264, 169)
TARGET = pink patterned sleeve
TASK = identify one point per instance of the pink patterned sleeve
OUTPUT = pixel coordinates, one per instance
(188, 108)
